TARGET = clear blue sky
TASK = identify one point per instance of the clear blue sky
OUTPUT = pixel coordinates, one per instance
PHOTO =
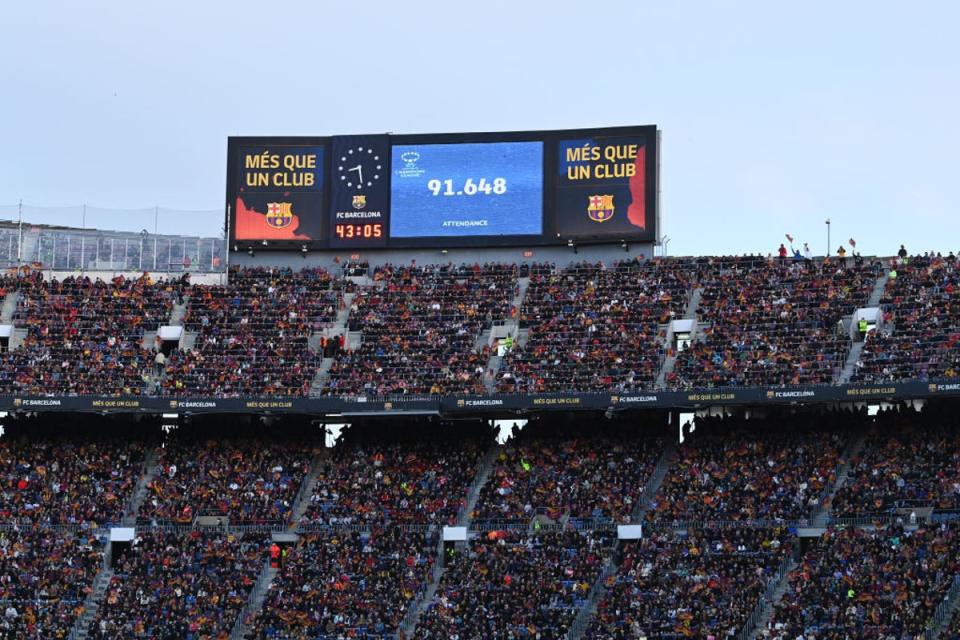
(773, 118)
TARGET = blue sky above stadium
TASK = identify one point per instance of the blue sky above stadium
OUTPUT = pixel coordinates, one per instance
(774, 118)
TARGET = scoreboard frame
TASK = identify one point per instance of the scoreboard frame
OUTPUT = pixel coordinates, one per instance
(552, 233)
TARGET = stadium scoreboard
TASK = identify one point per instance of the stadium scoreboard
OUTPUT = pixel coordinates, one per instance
(445, 190)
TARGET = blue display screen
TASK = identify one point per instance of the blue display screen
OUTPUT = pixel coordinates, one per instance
(468, 189)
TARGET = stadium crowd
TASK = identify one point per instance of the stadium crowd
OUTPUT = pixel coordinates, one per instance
(700, 584)
(245, 478)
(252, 336)
(63, 480)
(84, 336)
(346, 584)
(869, 584)
(919, 333)
(421, 327)
(728, 473)
(772, 322)
(515, 585)
(575, 471)
(45, 576)
(179, 585)
(593, 327)
(903, 466)
(420, 474)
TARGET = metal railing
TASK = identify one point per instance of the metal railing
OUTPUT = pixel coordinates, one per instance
(944, 611)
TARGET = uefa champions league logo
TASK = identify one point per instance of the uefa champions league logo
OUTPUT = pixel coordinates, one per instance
(409, 168)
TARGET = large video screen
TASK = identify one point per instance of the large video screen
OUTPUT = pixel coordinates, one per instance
(279, 193)
(604, 188)
(467, 189)
(386, 191)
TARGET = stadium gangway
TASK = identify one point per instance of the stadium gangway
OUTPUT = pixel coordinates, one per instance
(749, 630)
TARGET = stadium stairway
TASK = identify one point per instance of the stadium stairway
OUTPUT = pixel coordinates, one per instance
(690, 313)
(149, 471)
(599, 589)
(479, 479)
(254, 602)
(945, 612)
(850, 364)
(512, 327)
(92, 604)
(302, 501)
(267, 574)
(9, 307)
(768, 602)
(878, 289)
(339, 327)
(177, 313)
(581, 622)
(856, 347)
(852, 450)
(653, 484)
(419, 605)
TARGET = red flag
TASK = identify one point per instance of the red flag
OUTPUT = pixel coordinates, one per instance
(789, 238)
(853, 243)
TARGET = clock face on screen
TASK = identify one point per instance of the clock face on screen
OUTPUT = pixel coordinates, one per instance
(359, 167)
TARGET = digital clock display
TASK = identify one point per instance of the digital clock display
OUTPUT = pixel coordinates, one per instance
(366, 231)
(360, 195)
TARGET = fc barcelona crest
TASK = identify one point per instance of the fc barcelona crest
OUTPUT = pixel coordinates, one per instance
(279, 214)
(359, 201)
(600, 208)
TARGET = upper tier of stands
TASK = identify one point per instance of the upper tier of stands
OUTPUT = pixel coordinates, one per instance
(772, 322)
(423, 330)
(252, 335)
(593, 328)
(420, 329)
(919, 337)
(84, 336)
